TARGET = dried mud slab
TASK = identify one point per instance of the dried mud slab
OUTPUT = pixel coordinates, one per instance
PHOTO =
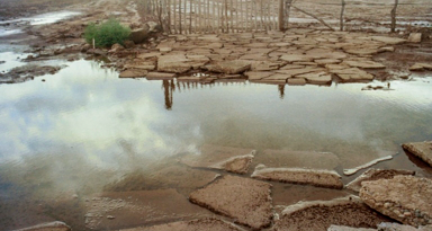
(176, 176)
(173, 63)
(194, 225)
(236, 160)
(115, 210)
(353, 75)
(365, 64)
(320, 178)
(133, 73)
(420, 67)
(230, 67)
(376, 174)
(352, 171)
(320, 215)
(346, 228)
(298, 159)
(406, 199)
(388, 40)
(386, 226)
(160, 76)
(49, 226)
(246, 200)
(422, 150)
(364, 49)
(319, 78)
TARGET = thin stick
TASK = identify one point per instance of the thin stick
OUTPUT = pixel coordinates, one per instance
(180, 16)
(315, 17)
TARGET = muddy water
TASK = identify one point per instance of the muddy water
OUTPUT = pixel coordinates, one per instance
(84, 128)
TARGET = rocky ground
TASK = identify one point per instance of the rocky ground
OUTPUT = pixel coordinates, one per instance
(302, 55)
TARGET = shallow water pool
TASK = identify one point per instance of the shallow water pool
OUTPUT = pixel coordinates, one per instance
(83, 127)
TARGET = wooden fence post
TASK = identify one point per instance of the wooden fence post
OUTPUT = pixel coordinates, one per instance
(393, 16)
(180, 16)
(342, 15)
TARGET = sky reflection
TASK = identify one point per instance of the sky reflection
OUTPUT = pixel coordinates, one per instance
(85, 120)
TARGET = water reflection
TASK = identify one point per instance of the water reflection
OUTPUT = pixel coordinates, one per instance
(169, 87)
(281, 89)
(84, 127)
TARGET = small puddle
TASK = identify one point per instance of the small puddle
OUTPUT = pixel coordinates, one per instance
(15, 26)
(10, 60)
(6, 32)
(42, 19)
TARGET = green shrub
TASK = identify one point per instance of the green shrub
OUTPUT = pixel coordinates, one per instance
(107, 33)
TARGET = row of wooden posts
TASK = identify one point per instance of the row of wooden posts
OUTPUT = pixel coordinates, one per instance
(216, 16)
(231, 16)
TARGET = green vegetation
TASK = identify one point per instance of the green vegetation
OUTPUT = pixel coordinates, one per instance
(107, 33)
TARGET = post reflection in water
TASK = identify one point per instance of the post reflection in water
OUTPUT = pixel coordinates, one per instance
(169, 88)
(281, 91)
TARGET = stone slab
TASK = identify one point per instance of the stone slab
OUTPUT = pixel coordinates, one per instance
(319, 78)
(376, 174)
(176, 63)
(296, 72)
(422, 150)
(292, 66)
(256, 75)
(278, 76)
(235, 160)
(365, 64)
(315, 177)
(341, 66)
(365, 49)
(247, 201)
(296, 58)
(415, 38)
(270, 81)
(198, 58)
(387, 226)
(149, 66)
(265, 66)
(254, 57)
(133, 73)
(230, 67)
(353, 75)
(257, 45)
(406, 199)
(327, 61)
(388, 40)
(320, 215)
(193, 225)
(296, 81)
(146, 56)
(420, 67)
(160, 76)
(346, 228)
